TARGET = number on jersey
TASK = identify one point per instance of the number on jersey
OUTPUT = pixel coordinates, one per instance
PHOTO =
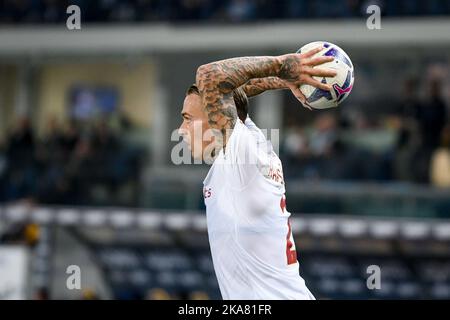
(291, 253)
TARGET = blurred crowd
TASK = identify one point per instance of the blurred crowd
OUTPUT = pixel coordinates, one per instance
(54, 11)
(411, 144)
(93, 164)
(72, 164)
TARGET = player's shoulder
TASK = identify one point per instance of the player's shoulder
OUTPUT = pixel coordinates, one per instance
(246, 128)
(241, 133)
(248, 144)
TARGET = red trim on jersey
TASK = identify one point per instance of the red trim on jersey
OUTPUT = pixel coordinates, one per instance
(283, 203)
(291, 254)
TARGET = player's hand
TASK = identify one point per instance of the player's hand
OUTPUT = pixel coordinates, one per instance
(298, 69)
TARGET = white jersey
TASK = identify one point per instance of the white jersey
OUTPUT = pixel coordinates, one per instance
(250, 236)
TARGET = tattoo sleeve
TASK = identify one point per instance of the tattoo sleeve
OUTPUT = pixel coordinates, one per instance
(217, 80)
(257, 86)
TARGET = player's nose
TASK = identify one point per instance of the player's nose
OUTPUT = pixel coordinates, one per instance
(181, 131)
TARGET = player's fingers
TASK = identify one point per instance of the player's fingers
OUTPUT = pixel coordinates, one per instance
(300, 96)
(320, 72)
(319, 60)
(316, 83)
(310, 53)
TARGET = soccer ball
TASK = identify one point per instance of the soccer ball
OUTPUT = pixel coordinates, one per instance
(342, 83)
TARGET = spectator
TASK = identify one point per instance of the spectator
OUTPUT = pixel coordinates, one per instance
(89, 294)
(409, 105)
(241, 10)
(3, 163)
(295, 143)
(65, 166)
(158, 294)
(431, 118)
(54, 11)
(20, 150)
(324, 134)
(41, 294)
(406, 149)
(198, 295)
(20, 161)
(432, 115)
(440, 161)
(192, 9)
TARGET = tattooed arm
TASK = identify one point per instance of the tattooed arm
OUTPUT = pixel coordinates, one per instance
(255, 87)
(217, 80)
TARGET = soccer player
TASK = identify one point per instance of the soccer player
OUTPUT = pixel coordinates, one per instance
(250, 236)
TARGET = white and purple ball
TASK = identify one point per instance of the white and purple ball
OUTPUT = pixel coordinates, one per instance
(342, 83)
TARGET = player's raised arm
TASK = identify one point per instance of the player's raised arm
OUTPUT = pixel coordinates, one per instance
(217, 80)
(257, 86)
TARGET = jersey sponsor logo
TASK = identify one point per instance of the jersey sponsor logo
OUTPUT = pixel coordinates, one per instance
(275, 173)
(341, 92)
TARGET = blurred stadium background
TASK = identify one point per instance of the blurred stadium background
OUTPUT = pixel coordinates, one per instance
(86, 118)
